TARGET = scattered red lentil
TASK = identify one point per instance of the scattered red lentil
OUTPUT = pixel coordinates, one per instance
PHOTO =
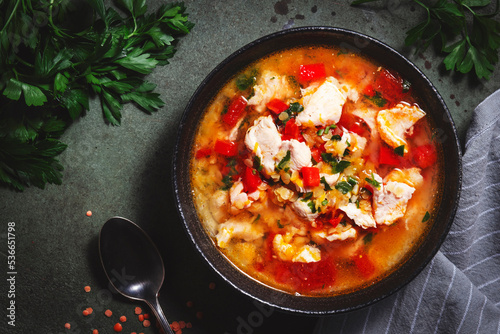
(67, 325)
(138, 310)
(199, 314)
(141, 317)
(182, 324)
(95, 331)
(89, 213)
(189, 304)
(146, 323)
(189, 325)
(146, 315)
(123, 318)
(108, 313)
(118, 327)
(87, 288)
(175, 326)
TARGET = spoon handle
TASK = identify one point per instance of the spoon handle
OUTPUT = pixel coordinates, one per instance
(155, 306)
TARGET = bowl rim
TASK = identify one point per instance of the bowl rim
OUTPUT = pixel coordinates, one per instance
(313, 305)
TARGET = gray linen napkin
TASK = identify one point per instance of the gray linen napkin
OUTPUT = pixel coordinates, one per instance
(459, 290)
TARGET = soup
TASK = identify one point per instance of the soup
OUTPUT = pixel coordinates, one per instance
(315, 171)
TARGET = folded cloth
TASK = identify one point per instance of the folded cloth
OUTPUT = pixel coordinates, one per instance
(459, 290)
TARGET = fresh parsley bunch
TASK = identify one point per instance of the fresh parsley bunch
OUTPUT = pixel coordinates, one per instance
(57, 54)
(469, 37)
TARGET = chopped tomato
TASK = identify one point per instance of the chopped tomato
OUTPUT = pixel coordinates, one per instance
(388, 157)
(424, 156)
(390, 85)
(235, 110)
(277, 106)
(226, 148)
(369, 91)
(203, 152)
(360, 128)
(364, 265)
(316, 153)
(251, 179)
(292, 131)
(311, 72)
(310, 176)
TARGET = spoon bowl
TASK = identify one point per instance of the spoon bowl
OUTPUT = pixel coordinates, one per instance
(133, 264)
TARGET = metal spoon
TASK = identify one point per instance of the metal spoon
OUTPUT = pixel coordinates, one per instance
(133, 264)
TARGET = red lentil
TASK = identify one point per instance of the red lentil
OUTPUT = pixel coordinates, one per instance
(138, 310)
(118, 327)
(141, 317)
(108, 313)
(123, 318)
(87, 288)
(89, 213)
(67, 325)
(146, 315)
(146, 323)
(95, 331)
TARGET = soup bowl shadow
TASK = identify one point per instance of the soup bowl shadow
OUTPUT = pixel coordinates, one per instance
(445, 133)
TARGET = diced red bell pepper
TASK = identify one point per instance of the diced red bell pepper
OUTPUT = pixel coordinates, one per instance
(203, 152)
(226, 148)
(310, 176)
(292, 131)
(388, 157)
(311, 72)
(235, 110)
(424, 156)
(277, 106)
(364, 265)
(251, 180)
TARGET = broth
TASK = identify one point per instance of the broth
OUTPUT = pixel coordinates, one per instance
(314, 170)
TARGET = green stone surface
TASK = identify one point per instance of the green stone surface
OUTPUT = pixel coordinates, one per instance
(125, 171)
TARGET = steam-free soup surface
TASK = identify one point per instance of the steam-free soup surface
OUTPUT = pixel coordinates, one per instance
(314, 170)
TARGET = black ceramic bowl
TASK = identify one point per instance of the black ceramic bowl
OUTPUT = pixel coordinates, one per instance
(432, 103)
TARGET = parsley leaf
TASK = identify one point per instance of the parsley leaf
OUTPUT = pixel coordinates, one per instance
(462, 30)
(52, 66)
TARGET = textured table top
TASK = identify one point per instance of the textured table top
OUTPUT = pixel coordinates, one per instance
(125, 171)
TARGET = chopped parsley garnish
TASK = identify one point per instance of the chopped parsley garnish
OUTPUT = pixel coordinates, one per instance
(368, 238)
(352, 181)
(282, 164)
(373, 182)
(328, 157)
(279, 224)
(400, 150)
(256, 219)
(427, 216)
(340, 166)
(312, 206)
(307, 197)
(377, 99)
(323, 181)
(344, 187)
(336, 137)
(257, 163)
(246, 80)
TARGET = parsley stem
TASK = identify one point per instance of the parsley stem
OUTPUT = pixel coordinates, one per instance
(11, 15)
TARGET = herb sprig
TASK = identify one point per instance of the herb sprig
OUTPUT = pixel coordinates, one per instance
(470, 38)
(56, 55)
